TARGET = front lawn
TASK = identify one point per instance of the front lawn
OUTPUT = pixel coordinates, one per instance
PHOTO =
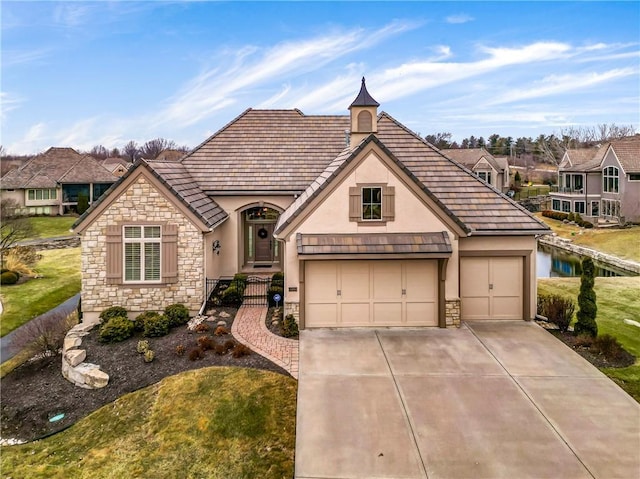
(620, 242)
(211, 422)
(60, 271)
(617, 300)
(51, 226)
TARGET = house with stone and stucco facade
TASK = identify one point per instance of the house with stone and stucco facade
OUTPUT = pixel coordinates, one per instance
(370, 224)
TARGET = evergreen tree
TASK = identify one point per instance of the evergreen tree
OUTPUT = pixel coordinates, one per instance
(586, 323)
(83, 202)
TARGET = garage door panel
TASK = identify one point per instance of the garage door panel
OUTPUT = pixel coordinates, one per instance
(423, 314)
(371, 293)
(474, 276)
(507, 308)
(506, 276)
(475, 308)
(355, 314)
(387, 314)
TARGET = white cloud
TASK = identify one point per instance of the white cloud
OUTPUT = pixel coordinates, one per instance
(459, 18)
(31, 142)
(9, 102)
(71, 14)
(17, 57)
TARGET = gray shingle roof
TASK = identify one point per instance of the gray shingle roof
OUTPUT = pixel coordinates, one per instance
(628, 152)
(57, 165)
(377, 243)
(267, 150)
(470, 156)
(475, 206)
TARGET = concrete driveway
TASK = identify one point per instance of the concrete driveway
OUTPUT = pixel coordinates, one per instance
(488, 400)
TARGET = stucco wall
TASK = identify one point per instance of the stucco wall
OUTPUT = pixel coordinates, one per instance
(332, 216)
(142, 203)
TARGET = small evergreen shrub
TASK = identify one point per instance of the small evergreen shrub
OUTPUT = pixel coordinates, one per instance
(278, 278)
(9, 277)
(149, 356)
(112, 312)
(289, 326)
(205, 343)
(571, 217)
(180, 350)
(232, 296)
(588, 309)
(240, 281)
(195, 354)
(83, 202)
(155, 324)
(116, 329)
(178, 314)
(143, 346)
(241, 350)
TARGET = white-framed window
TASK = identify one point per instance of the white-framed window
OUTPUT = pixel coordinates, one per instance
(610, 179)
(556, 205)
(634, 176)
(142, 246)
(578, 207)
(611, 208)
(566, 206)
(42, 194)
(372, 203)
(484, 175)
(595, 208)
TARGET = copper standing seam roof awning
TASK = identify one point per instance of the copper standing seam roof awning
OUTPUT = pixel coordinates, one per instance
(375, 245)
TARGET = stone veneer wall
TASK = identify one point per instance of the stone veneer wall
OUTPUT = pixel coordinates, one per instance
(292, 308)
(452, 312)
(141, 203)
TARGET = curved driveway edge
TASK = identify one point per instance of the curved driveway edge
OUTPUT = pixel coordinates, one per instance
(489, 400)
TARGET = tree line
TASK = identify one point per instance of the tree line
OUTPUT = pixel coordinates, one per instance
(543, 149)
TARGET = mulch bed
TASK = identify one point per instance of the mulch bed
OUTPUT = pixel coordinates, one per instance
(275, 315)
(36, 391)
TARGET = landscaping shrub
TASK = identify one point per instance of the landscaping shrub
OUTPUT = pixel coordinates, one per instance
(241, 350)
(195, 354)
(240, 281)
(571, 217)
(116, 329)
(178, 314)
(155, 324)
(278, 278)
(586, 224)
(83, 202)
(584, 341)
(219, 349)
(232, 296)
(557, 309)
(610, 348)
(22, 260)
(586, 323)
(9, 277)
(205, 343)
(112, 312)
(149, 356)
(228, 345)
(289, 327)
(180, 350)
(221, 331)
(202, 328)
(556, 215)
(44, 336)
(143, 346)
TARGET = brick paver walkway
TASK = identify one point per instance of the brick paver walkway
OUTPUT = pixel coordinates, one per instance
(249, 328)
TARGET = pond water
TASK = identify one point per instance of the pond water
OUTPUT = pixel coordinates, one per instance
(553, 263)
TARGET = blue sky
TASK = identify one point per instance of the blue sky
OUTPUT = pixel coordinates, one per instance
(85, 73)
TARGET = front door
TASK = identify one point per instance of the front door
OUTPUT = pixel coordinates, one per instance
(264, 242)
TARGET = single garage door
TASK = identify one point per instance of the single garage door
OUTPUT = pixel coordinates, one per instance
(491, 288)
(371, 293)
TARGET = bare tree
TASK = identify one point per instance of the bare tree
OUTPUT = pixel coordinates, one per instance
(131, 151)
(14, 227)
(152, 148)
(99, 152)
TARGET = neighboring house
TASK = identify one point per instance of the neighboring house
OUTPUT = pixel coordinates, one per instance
(170, 155)
(49, 183)
(601, 184)
(375, 229)
(493, 170)
(117, 166)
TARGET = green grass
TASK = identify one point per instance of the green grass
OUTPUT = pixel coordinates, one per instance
(623, 243)
(51, 226)
(617, 300)
(213, 422)
(60, 270)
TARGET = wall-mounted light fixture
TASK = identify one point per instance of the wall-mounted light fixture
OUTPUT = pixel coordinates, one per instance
(216, 247)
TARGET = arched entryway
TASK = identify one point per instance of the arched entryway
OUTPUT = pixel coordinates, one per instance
(261, 250)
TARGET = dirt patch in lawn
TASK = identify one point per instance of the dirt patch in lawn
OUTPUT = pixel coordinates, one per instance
(35, 392)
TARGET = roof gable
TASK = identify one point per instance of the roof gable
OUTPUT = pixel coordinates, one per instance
(177, 186)
(627, 150)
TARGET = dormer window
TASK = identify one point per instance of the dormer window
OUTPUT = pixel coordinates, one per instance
(371, 204)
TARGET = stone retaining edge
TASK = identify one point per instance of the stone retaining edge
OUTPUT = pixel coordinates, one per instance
(567, 245)
(74, 369)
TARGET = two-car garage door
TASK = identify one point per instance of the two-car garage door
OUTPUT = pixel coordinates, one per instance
(371, 293)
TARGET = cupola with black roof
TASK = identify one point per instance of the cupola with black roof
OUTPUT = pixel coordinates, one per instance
(364, 116)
